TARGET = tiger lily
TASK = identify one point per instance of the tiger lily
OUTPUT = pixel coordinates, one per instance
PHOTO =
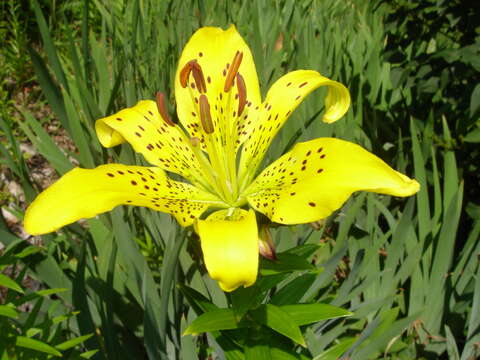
(224, 134)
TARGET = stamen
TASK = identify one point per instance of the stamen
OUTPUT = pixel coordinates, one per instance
(205, 115)
(242, 94)
(162, 108)
(198, 76)
(232, 71)
(185, 73)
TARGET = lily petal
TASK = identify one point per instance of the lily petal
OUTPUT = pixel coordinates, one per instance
(84, 193)
(282, 99)
(230, 247)
(317, 177)
(160, 143)
(214, 49)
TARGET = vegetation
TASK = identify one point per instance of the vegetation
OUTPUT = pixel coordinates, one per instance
(127, 284)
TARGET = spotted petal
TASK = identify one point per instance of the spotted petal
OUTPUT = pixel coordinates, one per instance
(230, 247)
(214, 49)
(84, 193)
(317, 177)
(282, 99)
(161, 144)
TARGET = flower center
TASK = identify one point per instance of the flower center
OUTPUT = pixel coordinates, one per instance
(218, 107)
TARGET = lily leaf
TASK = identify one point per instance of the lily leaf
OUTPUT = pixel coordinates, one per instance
(36, 345)
(285, 262)
(220, 319)
(276, 319)
(304, 314)
(9, 283)
(8, 311)
(336, 351)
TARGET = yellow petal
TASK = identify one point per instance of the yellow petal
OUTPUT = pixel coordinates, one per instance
(84, 193)
(161, 144)
(317, 177)
(214, 49)
(282, 99)
(230, 247)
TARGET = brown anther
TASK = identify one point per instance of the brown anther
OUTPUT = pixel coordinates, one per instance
(162, 108)
(205, 115)
(198, 76)
(195, 141)
(185, 73)
(242, 94)
(232, 71)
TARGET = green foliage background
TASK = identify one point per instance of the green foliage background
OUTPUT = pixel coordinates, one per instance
(127, 284)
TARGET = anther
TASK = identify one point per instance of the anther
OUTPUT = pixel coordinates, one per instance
(232, 71)
(242, 93)
(198, 76)
(162, 108)
(185, 73)
(205, 115)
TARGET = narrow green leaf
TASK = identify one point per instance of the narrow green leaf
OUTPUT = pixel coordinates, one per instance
(36, 345)
(73, 342)
(475, 100)
(285, 263)
(257, 351)
(48, 44)
(29, 250)
(48, 292)
(452, 348)
(336, 351)
(49, 87)
(221, 319)
(88, 354)
(304, 314)
(43, 142)
(279, 320)
(473, 136)
(8, 311)
(198, 302)
(5, 281)
(294, 290)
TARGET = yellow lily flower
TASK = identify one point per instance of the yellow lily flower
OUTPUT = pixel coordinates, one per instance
(222, 119)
